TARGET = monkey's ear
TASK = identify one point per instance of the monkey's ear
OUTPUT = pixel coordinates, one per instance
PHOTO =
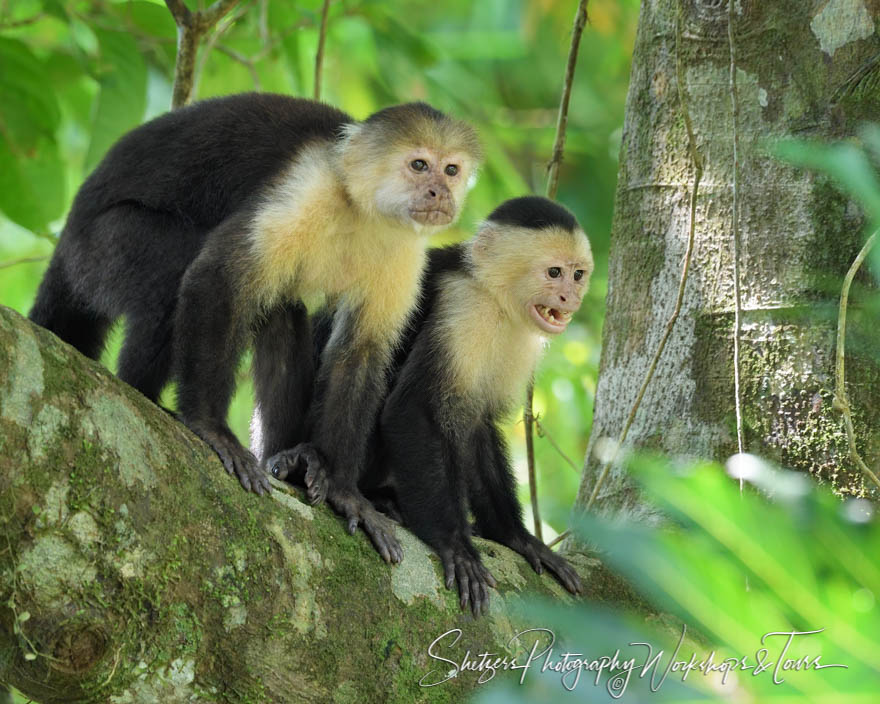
(487, 234)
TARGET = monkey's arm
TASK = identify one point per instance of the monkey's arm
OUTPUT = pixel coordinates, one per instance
(350, 386)
(210, 332)
(498, 513)
(283, 372)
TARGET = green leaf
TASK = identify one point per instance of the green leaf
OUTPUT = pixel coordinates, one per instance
(148, 17)
(31, 184)
(28, 111)
(123, 96)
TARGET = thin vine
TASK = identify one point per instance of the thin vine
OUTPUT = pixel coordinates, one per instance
(737, 294)
(580, 21)
(697, 160)
(841, 401)
(319, 54)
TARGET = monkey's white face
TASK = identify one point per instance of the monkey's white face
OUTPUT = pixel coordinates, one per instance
(538, 276)
(560, 288)
(425, 187)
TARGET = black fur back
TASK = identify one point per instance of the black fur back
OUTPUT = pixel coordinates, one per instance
(202, 162)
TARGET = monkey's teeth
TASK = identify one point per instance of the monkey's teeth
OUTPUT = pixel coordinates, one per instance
(551, 315)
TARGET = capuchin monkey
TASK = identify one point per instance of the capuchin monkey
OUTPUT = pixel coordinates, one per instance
(214, 226)
(486, 311)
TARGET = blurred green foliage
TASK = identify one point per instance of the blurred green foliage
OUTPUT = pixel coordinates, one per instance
(76, 74)
(733, 567)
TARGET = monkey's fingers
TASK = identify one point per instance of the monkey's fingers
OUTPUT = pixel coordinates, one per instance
(464, 584)
(488, 576)
(358, 511)
(236, 460)
(382, 535)
(250, 476)
(563, 571)
(532, 557)
(469, 573)
(317, 483)
(448, 568)
(479, 593)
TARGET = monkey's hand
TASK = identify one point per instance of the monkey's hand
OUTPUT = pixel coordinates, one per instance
(302, 465)
(236, 460)
(353, 506)
(462, 564)
(540, 556)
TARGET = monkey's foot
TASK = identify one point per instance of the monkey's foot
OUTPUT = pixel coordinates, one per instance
(358, 511)
(302, 464)
(236, 460)
(540, 556)
(463, 565)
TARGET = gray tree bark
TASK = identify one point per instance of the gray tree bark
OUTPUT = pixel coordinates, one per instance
(133, 569)
(805, 69)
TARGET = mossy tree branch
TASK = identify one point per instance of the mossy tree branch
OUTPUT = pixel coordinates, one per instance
(132, 568)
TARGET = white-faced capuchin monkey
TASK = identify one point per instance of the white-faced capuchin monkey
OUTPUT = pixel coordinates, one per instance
(209, 227)
(486, 311)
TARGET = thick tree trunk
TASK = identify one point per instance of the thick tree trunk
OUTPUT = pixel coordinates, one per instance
(806, 69)
(133, 569)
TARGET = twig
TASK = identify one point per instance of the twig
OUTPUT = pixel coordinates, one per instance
(191, 27)
(211, 42)
(214, 13)
(737, 295)
(528, 422)
(22, 260)
(264, 22)
(580, 21)
(244, 61)
(543, 433)
(698, 174)
(841, 401)
(319, 54)
(559, 538)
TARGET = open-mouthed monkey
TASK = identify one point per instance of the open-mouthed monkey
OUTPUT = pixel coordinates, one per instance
(487, 309)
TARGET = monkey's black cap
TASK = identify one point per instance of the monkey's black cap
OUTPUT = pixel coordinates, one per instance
(404, 114)
(535, 213)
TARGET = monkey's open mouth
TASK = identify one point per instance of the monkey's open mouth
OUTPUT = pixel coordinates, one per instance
(549, 319)
(434, 216)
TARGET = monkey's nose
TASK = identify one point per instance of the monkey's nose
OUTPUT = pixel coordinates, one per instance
(432, 193)
(562, 299)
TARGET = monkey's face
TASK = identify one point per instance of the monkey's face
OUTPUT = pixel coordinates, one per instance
(424, 187)
(560, 283)
(416, 177)
(539, 276)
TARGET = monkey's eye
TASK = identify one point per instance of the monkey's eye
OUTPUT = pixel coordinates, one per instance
(579, 274)
(553, 272)
(451, 170)
(418, 165)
